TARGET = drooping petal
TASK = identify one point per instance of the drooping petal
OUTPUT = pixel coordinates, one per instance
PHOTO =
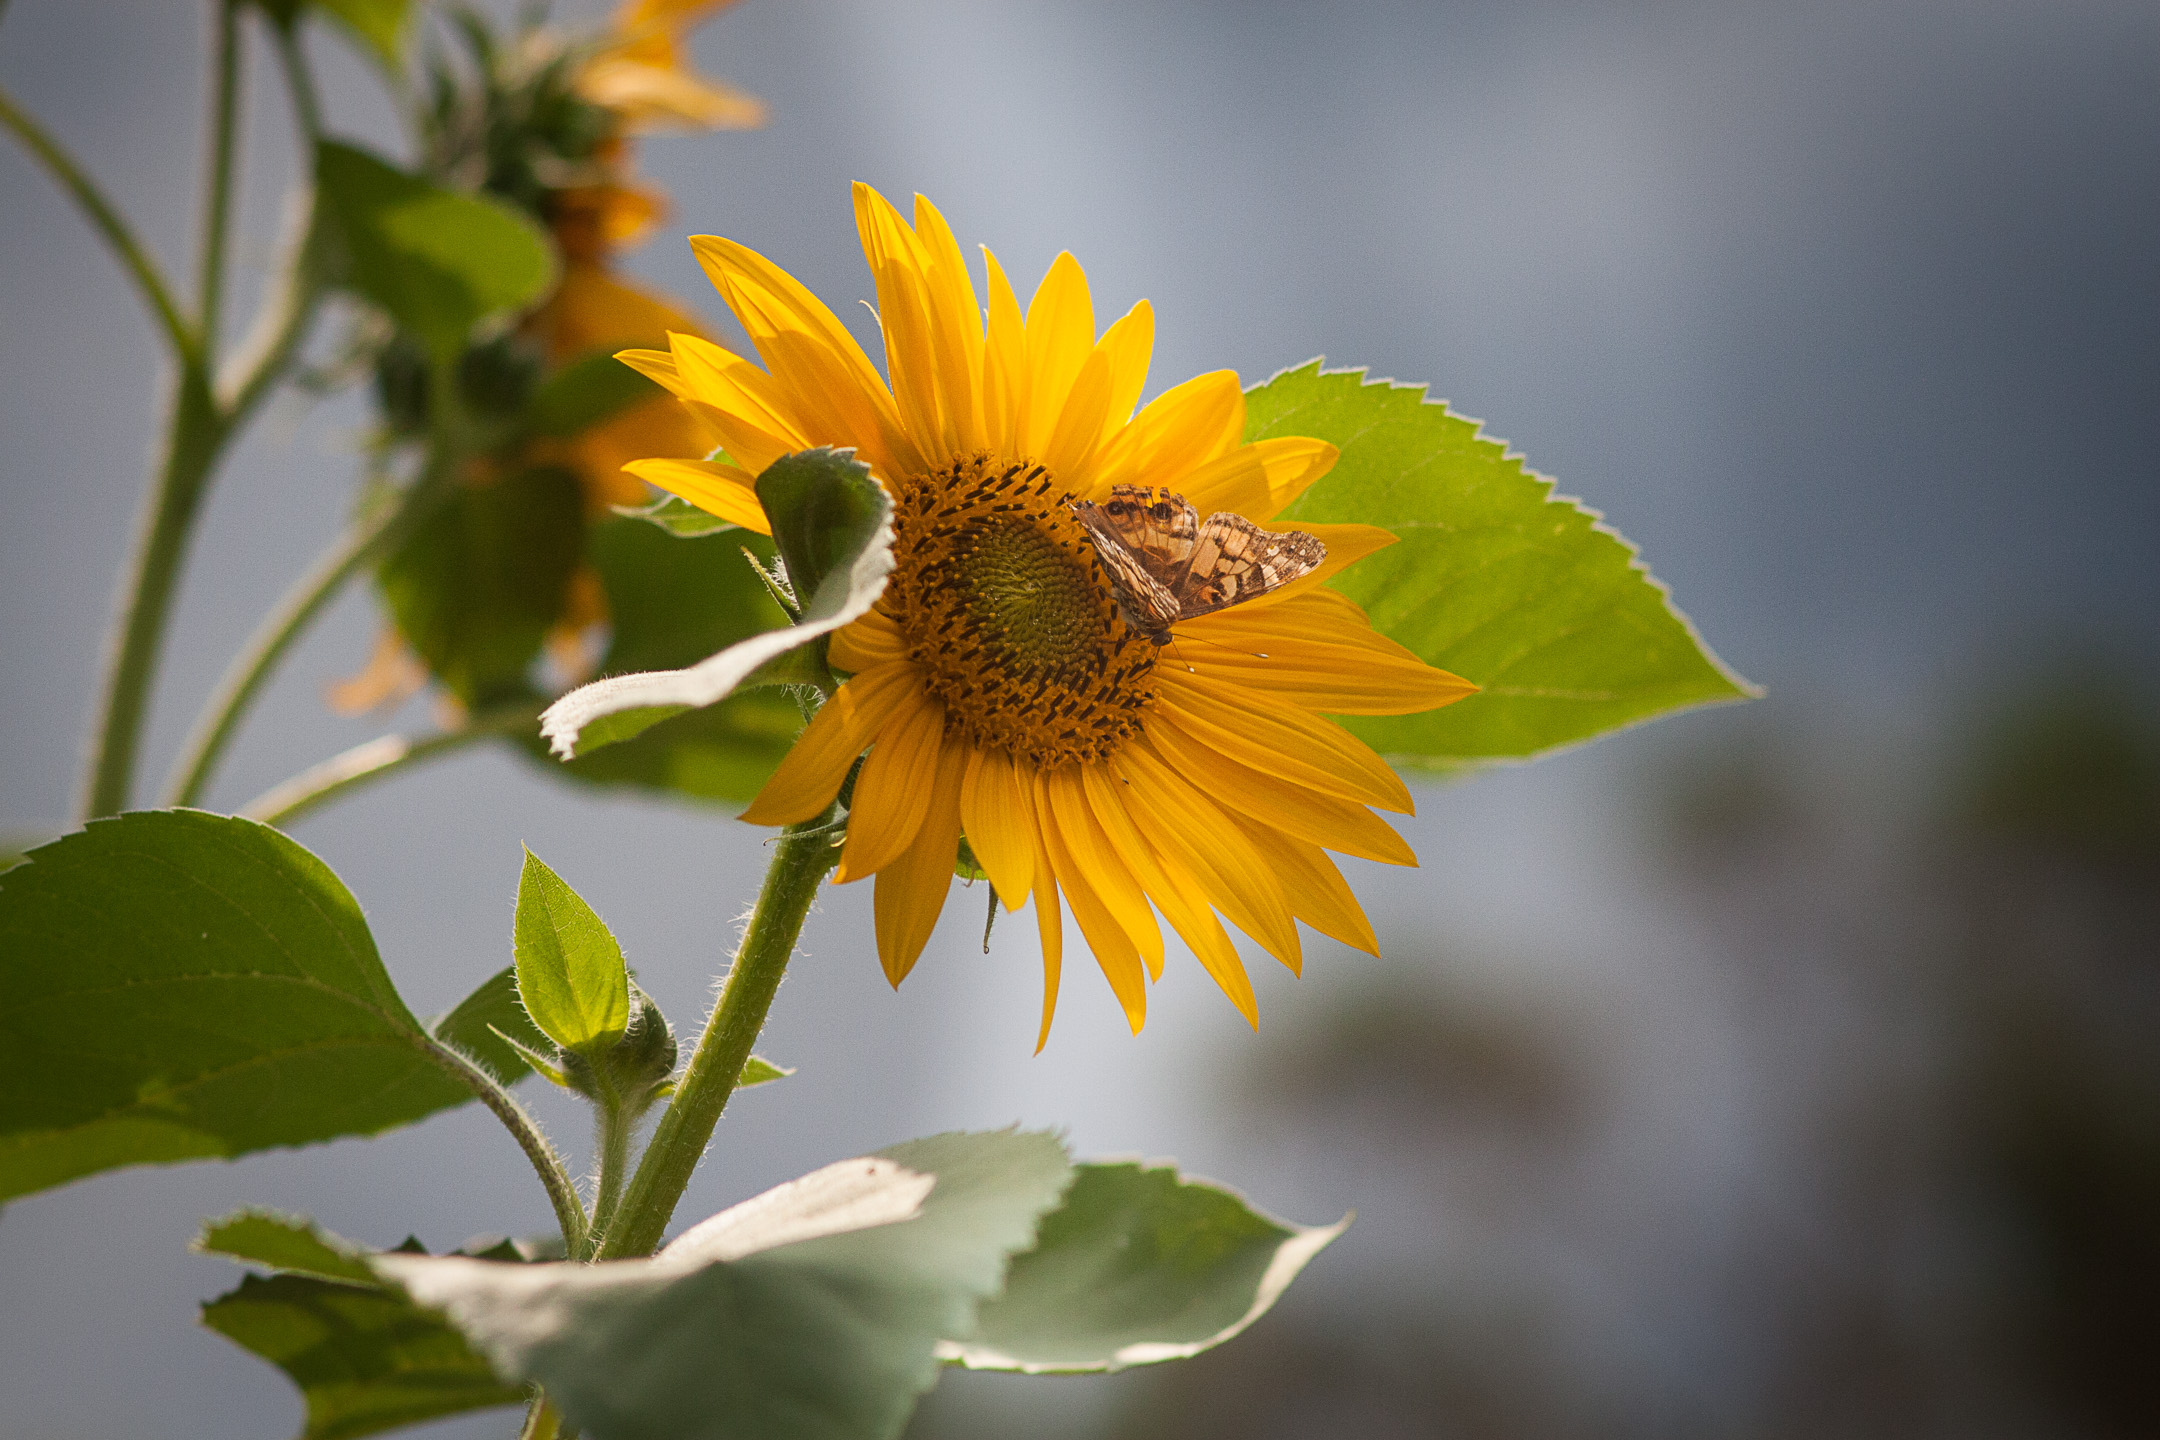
(1324, 820)
(1104, 864)
(893, 792)
(810, 774)
(1316, 892)
(713, 486)
(910, 892)
(1049, 920)
(997, 819)
(1114, 950)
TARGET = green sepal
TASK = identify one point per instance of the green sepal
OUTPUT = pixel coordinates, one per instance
(833, 525)
(759, 1071)
(1492, 577)
(678, 517)
(535, 1059)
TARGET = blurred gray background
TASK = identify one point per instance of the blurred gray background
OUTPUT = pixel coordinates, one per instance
(1775, 1071)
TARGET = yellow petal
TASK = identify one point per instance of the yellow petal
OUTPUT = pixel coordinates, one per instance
(1072, 443)
(1187, 830)
(1268, 735)
(870, 641)
(1106, 869)
(911, 891)
(1317, 893)
(956, 320)
(1005, 366)
(893, 792)
(713, 486)
(1113, 947)
(903, 309)
(1049, 922)
(1258, 480)
(996, 817)
(809, 775)
(1179, 430)
(1060, 337)
(1372, 676)
(1322, 819)
(1130, 345)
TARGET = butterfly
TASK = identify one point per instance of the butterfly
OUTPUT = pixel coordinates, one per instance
(1167, 565)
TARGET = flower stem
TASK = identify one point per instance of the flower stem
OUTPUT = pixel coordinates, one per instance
(378, 759)
(542, 1420)
(800, 860)
(614, 1124)
(546, 1162)
(368, 539)
(107, 221)
(195, 436)
(217, 200)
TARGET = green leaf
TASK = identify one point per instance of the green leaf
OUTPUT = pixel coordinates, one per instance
(364, 1356)
(758, 1070)
(286, 1242)
(478, 584)
(811, 1312)
(1530, 596)
(570, 971)
(182, 985)
(481, 1021)
(380, 25)
(677, 517)
(581, 394)
(437, 261)
(833, 526)
(1137, 1266)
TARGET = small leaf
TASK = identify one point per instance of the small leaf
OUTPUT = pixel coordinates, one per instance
(581, 394)
(757, 1071)
(534, 1058)
(833, 523)
(570, 971)
(810, 1311)
(435, 260)
(678, 517)
(490, 1024)
(1532, 597)
(182, 985)
(364, 1356)
(1137, 1265)
(379, 25)
(478, 584)
(286, 1242)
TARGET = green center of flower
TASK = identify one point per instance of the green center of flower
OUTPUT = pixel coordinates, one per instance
(1009, 617)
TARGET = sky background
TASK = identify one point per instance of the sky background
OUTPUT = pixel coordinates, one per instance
(1847, 314)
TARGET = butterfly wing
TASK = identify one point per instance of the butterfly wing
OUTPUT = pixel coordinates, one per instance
(1144, 542)
(1234, 560)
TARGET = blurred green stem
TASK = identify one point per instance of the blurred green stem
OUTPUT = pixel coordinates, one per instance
(800, 859)
(378, 759)
(218, 188)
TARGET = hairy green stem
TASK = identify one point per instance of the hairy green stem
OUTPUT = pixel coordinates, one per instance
(802, 856)
(217, 192)
(546, 1162)
(542, 1421)
(371, 537)
(107, 221)
(378, 759)
(614, 1126)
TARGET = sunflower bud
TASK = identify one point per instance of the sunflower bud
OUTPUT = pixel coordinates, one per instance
(633, 1071)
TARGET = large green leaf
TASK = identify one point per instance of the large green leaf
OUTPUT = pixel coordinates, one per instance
(833, 525)
(1494, 578)
(181, 985)
(809, 1313)
(570, 970)
(478, 584)
(1136, 1266)
(435, 260)
(365, 1357)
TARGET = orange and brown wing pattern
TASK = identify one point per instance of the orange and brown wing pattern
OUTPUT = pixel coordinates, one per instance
(1234, 560)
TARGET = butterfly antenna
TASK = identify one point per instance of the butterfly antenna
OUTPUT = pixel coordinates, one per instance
(1233, 649)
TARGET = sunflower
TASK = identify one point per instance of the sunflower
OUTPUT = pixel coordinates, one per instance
(997, 686)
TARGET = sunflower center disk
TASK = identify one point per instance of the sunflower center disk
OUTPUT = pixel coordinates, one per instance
(1010, 618)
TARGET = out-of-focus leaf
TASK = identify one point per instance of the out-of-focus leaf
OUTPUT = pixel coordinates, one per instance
(678, 517)
(1493, 578)
(474, 1024)
(1137, 1265)
(477, 585)
(435, 260)
(381, 26)
(583, 393)
(811, 1312)
(833, 525)
(570, 971)
(179, 985)
(364, 1356)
